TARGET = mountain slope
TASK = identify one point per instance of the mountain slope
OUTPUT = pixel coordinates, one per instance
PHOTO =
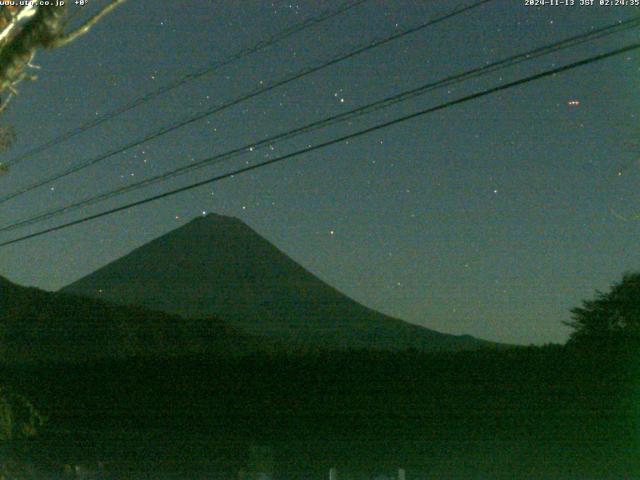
(40, 326)
(217, 265)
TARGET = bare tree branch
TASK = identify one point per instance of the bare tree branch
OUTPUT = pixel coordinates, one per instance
(11, 17)
(85, 27)
(45, 29)
(39, 32)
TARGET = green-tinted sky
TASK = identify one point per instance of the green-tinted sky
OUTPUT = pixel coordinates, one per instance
(491, 218)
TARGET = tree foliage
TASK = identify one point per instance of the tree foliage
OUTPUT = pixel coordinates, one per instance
(611, 318)
(19, 419)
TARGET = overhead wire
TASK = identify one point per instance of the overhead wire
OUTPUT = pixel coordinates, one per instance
(189, 77)
(219, 108)
(402, 119)
(573, 41)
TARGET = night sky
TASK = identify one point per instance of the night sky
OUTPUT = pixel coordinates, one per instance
(491, 218)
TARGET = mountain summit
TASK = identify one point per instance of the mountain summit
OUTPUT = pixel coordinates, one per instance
(217, 265)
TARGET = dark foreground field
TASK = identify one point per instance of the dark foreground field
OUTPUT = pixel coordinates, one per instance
(524, 413)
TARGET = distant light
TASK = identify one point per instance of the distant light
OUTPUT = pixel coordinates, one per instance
(573, 103)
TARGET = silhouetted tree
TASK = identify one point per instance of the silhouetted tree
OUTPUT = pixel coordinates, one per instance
(612, 318)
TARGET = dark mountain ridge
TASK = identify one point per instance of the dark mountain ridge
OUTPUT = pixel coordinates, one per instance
(217, 265)
(40, 326)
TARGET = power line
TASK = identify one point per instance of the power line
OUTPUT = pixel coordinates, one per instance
(319, 146)
(239, 55)
(236, 101)
(354, 113)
